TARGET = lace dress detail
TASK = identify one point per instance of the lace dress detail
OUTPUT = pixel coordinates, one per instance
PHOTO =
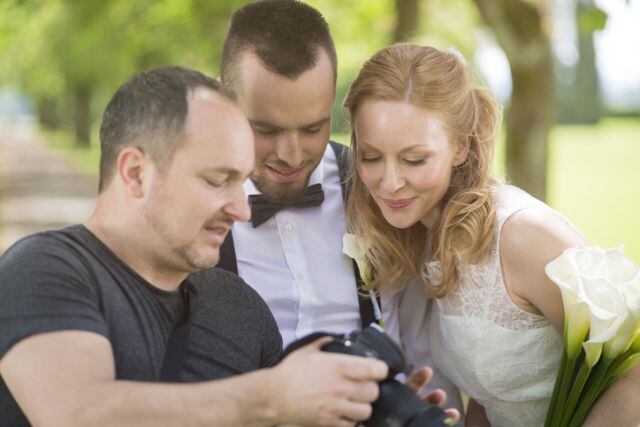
(500, 355)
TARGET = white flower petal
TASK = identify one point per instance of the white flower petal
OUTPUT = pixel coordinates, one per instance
(350, 246)
(620, 269)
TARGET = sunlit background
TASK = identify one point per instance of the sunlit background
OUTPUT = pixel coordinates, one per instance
(61, 60)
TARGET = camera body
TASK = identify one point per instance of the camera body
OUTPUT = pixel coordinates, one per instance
(397, 404)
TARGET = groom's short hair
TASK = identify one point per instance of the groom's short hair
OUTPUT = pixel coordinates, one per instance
(285, 35)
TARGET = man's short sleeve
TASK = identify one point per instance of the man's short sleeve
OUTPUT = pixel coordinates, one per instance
(46, 285)
(272, 340)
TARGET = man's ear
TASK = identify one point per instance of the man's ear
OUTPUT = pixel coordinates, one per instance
(132, 168)
(462, 151)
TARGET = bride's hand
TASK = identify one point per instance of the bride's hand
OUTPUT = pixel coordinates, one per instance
(419, 379)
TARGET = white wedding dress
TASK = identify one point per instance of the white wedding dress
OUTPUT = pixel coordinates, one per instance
(498, 354)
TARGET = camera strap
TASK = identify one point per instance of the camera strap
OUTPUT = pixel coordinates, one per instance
(178, 339)
(368, 304)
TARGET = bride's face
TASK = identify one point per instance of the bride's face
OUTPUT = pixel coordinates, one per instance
(405, 159)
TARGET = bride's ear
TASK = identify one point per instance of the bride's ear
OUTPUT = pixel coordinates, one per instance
(462, 150)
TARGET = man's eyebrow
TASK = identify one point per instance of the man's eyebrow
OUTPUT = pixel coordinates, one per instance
(276, 127)
(264, 124)
(316, 123)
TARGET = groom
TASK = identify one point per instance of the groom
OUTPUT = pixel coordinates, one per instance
(280, 62)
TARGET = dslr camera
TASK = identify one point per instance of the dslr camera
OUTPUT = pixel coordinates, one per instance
(397, 404)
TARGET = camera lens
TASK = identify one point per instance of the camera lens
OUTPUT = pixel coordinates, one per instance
(399, 406)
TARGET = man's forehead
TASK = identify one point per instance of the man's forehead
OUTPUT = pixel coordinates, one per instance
(278, 100)
(255, 75)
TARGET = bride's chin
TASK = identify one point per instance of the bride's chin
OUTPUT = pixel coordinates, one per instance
(398, 223)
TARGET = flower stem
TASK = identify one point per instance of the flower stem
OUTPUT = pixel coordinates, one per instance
(618, 368)
(576, 391)
(556, 390)
(592, 392)
(567, 376)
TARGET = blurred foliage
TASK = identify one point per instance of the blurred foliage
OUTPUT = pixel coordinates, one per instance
(51, 48)
(590, 18)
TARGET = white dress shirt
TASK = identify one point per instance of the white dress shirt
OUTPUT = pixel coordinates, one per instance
(295, 261)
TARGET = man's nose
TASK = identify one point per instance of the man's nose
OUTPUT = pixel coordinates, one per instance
(238, 209)
(289, 149)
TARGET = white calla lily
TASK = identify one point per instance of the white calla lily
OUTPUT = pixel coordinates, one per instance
(564, 273)
(600, 293)
(619, 269)
(353, 248)
(629, 331)
(607, 313)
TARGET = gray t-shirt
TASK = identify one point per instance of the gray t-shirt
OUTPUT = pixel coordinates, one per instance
(68, 279)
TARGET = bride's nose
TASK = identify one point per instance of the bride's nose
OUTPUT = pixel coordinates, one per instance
(392, 179)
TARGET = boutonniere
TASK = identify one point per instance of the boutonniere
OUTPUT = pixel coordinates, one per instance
(354, 248)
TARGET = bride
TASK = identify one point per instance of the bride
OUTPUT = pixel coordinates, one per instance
(426, 206)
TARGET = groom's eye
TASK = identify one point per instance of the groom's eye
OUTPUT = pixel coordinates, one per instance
(266, 131)
(312, 130)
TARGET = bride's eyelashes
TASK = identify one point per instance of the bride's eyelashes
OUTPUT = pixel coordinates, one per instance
(410, 162)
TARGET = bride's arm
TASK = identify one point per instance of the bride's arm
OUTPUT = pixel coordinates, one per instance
(530, 239)
(618, 405)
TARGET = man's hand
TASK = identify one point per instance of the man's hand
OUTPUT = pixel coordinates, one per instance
(317, 388)
(419, 379)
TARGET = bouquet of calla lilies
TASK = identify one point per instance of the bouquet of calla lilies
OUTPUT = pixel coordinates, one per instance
(601, 297)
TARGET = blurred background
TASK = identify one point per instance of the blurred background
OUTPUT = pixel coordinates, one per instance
(566, 71)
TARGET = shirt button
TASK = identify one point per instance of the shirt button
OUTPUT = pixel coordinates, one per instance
(288, 227)
(300, 275)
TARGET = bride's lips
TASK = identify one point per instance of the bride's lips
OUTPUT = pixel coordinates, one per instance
(285, 176)
(398, 203)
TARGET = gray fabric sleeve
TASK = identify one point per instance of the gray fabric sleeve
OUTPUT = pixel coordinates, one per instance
(45, 287)
(272, 345)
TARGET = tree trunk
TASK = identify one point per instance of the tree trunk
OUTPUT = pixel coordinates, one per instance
(578, 93)
(47, 109)
(82, 115)
(518, 26)
(587, 86)
(407, 13)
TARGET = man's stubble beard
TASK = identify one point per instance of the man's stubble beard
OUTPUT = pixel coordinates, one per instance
(179, 254)
(281, 192)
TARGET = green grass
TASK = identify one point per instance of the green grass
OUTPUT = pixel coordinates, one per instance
(593, 179)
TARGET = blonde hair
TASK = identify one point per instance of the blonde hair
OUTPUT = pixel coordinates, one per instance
(440, 82)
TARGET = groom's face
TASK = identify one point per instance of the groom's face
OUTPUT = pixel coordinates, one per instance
(291, 122)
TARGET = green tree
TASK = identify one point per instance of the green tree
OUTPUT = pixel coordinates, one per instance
(69, 56)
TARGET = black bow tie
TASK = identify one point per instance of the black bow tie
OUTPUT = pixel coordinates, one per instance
(262, 209)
